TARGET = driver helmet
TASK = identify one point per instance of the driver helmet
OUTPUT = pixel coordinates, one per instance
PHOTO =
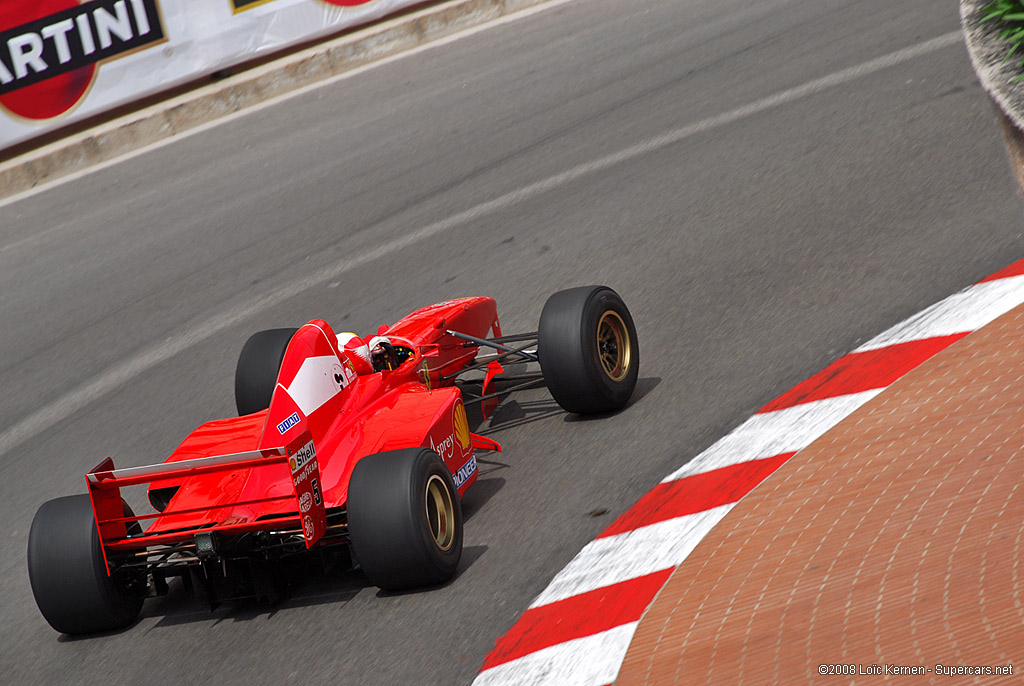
(356, 352)
(382, 353)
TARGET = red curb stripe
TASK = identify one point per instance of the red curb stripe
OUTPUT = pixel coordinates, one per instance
(581, 615)
(603, 609)
(862, 371)
(696, 493)
(1015, 269)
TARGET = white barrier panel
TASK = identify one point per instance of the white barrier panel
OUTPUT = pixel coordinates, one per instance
(64, 60)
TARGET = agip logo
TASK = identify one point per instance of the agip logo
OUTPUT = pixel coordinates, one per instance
(51, 50)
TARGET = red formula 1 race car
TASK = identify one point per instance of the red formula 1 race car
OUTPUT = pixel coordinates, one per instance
(360, 449)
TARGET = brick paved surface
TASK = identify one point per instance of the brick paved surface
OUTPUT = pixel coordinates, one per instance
(895, 539)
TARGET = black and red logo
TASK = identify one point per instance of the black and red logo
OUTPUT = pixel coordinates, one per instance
(50, 50)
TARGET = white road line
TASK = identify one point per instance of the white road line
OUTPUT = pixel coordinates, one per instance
(608, 561)
(968, 310)
(591, 661)
(117, 375)
(774, 433)
(201, 128)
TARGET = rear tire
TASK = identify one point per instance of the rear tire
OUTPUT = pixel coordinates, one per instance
(588, 349)
(67, 574)
(258, 366)
(405, 519)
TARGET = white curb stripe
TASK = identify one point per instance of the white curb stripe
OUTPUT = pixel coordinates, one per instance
(968, 310)
(774, 433)
(608, 561)
(590, 661)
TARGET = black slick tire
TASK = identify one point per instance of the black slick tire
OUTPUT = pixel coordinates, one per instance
(68, 577)
(588, 349)
(405, 519)
(258, 366)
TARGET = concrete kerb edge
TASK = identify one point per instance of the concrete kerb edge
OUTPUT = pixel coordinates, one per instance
(176, 115)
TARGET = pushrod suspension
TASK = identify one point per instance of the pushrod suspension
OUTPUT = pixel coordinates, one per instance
(532, 336)
(491, 344)
(482, 364)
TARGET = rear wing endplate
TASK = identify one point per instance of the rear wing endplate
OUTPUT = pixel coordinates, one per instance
(105, 483)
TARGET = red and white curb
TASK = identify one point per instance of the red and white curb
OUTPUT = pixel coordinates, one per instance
(577, 631)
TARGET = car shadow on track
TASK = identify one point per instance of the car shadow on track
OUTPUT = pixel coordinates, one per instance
(309, 586)
(483, 490)
(643, 388)
(338, 586)
(180, 608)
(518, 412)
(470, 554)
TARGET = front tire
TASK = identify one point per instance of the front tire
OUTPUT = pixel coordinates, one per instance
(259, 363)
(68, 577)
(588, 349)
(405, 519)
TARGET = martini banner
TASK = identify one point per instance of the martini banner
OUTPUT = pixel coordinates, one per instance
(66, 60)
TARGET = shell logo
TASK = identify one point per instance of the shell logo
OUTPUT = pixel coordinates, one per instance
(460, 424)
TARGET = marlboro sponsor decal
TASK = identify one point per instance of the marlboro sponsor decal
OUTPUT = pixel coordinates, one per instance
(308, 494)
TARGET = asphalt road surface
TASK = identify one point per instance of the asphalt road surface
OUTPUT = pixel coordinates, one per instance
(762, 194)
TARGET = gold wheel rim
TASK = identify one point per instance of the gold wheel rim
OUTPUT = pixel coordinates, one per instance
(613, 346)
(440, 513)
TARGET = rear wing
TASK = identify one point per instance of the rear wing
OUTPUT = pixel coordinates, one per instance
(105, 485)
